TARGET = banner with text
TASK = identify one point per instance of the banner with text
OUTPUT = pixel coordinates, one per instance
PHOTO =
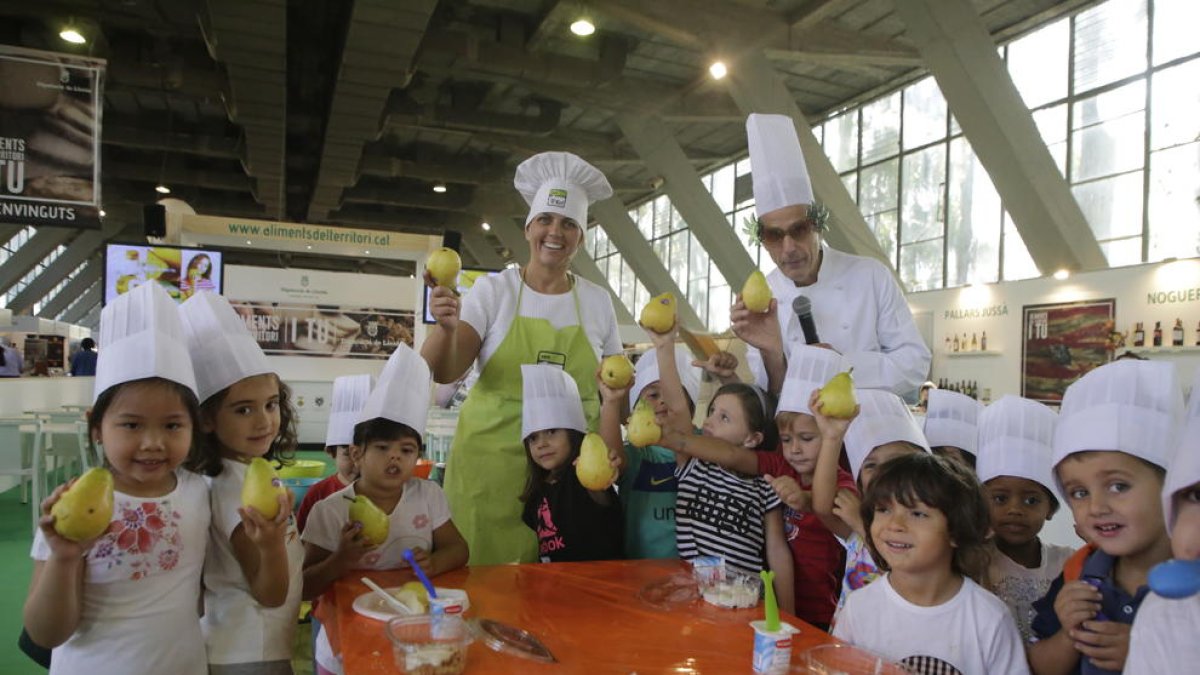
(295, 329)
(326, 239)
(50, 107)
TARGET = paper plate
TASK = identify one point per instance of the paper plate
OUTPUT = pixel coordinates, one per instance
(370, 605)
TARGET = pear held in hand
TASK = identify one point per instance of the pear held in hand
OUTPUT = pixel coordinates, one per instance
(659, 314)
(593, 469)
(444, 265)
(756, 294)
(643, 429)
(372, 518)
(83, 512)
(616, 371)
(262, 488)
(837, 396)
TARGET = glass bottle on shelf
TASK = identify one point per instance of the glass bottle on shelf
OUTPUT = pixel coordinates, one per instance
(974, 343)
(1198, 334)
(983, 342)
(1139, 335)
(947, 343)
(1177, 334)
(956, 342)
(1157, 333)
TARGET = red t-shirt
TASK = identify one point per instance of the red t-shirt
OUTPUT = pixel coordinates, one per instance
(819, 558)
(315, 494)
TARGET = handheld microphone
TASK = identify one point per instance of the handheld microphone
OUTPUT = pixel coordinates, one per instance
(803, 308)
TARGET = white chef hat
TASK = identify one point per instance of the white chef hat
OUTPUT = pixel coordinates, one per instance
(142, 337)
(808, 368)
(350, 393)
(1129, 406)
(402, 391)
(1185, 465)
(645, 373)
(562, 183)
(777, 165)
(883, 418)
(951, 420)
(550, 400)
(1016, 438)
(222, 348)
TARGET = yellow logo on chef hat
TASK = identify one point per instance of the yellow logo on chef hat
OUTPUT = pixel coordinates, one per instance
(557, 197)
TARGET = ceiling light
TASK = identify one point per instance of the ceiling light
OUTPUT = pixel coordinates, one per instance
(439, 187)
(583, 27)
(367, 252)
(102, 213)
(162, 189)
(1062, 274)
(247, 242)
(71, 35)
(486, 227)
(309, 247)
(718, 70)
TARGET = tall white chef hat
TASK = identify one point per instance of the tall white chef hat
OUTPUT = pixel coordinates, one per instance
(1185, 465)
(142, 337)
(951, 420)
(550, 400)
(350, 393)
(402, 392)
(222, 348)
(808, 368)
(1016, 438)
(1128, 406)
(777, 165)
(883, 418)
(645, 373)
(562, 183)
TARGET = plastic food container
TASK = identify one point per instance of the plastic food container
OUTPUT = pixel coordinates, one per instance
(417, 652)
(735, 591)
(839, 659)
(299, 488)
(302, 468)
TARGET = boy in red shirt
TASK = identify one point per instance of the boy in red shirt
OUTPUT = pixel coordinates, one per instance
(350, 393)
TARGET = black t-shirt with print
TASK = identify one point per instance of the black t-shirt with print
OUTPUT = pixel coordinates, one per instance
(570, 525)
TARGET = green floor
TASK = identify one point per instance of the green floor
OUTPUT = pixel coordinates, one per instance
(15, 540)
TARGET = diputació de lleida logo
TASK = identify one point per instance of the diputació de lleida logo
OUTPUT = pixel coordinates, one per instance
(557, 197)
(304, 281)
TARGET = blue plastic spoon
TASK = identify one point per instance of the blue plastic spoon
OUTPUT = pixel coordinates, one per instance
(1176, 579)
(408, 555)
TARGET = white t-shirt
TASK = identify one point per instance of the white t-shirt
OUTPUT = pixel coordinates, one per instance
(491, 304)
(237, 628)
(1018, 586)
(973, 633)
(1164, 638)
(141, 588)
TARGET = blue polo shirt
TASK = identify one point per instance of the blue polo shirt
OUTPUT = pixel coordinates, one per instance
(1115, 604)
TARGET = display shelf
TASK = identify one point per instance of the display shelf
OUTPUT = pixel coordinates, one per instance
(1193, 349)
(977, 352)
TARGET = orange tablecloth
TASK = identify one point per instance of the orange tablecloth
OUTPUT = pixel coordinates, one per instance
(587, 614)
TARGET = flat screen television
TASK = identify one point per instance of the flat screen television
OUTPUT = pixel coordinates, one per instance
(180, 271)
(466, 279)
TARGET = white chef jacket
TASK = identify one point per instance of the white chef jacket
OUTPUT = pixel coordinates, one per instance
(859, 309)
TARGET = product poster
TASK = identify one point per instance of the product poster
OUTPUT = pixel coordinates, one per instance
(49, 138)
(1060, 343)
(182, 272)
(293, 329)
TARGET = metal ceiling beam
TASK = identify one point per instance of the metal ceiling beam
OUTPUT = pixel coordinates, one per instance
(481, 248)
(962, 57)
(174, 175)
(82, 307)
(87, 245)
(662, 153)
(830, 43)
(45, 240)
(613, 216)
(218, 147)
(757, 87)
(465, 170)
(87, 276)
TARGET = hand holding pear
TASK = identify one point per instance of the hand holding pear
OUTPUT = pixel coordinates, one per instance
(659, 314)
(83, 512)
(756, 294)
(594, 468)
(444, 265)
(643, 430)
(837, 396)
(373, 520)
(261, 488)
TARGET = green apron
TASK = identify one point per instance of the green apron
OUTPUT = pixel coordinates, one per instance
(487, 469)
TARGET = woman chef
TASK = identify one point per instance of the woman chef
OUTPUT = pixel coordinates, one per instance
(540, 313)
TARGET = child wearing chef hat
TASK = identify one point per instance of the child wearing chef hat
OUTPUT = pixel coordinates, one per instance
(1016, 438)
(350, 393)
(252, 575)
(950, 425)
(572, 523)
(1116, 431)
(1163, 638)
(386, 445)
(126, 601)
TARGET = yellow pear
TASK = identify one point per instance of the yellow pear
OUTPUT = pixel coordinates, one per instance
(837, 396)
(83, 512)
(616, 371)
(418, 590)
(443, 265)
(262, 488)
(374, 521)
(756, 293)
(643, 429)
(659, 314)
(594, 470)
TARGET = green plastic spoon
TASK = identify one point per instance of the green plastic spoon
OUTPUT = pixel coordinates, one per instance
(771, 607)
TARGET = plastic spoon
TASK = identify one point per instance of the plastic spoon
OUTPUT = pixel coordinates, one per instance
(387, 597)
(408, 555)
(1176, 579)
(771, 608)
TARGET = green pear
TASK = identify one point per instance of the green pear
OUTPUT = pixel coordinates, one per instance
(616, 371)
(643, 429)
(756, 294)
(83, 512)
(444, 265)
(837, 396)
(262, 488)
(594, 470)
(372, 518)
(659, 314)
